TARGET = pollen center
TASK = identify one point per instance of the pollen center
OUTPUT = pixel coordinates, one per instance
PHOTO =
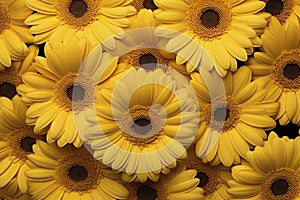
(149, 4)
(210, 18)
(78, 8)
(280, 187)
(291, 71)
(26, 144)
(4, 17)
(75, 93)
(221, 114)
(146, 193)
(148, 62)
(142, 126)
(8, 90)
(78, 173)
(274, 7)
(204, 179)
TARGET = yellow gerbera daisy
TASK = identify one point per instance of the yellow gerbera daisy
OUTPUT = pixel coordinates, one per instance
(174, 186)
(213, 179)
(232, 122)
(98, 20)
(69, 173)
(63, 88)
(143, 124)
(272, 171)
(279, 66)
(16, 140)
(11, 77)
(221, 27)
(283, 10)
(13, 32)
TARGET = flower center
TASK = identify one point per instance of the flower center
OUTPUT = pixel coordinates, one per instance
(204, 179)
(291, 71)
(140, 4)
(280, 187)
(77, 173)
(9, 80)
(77, 13)
(274, 7)
(146, 193)
(286, 70)
(148, 62)
(78, 8)
(281, 9)
(8, 90)
(210, 18)
(26, 144)
(141, 126)
(149, 4)
(21, 141)
(149, 59)
(222, 114)
(4, 17)
(280, 184)
(74, 92)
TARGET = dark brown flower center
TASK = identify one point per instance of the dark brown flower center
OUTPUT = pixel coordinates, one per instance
(291, 71)
(146, 193)
(26, 144)
(8, 90)
(221, 114)
(78, 173)
(78, 8)
(148, 62)
(280, 187)
(149, 4)
(75, 93)
(204, 179)
(210, 18)
(142, 126)
(274, 7)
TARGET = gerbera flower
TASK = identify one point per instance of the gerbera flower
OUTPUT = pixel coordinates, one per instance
(11, 77)
(63, 88)
(283, 10)
(232, 122)
(13, 32)
(97, 20)
(143, 124)
(272, 171)
(279, 66)
(221, 27)
(213, 179)
(16, 140)
(70, 173)
(174, 186)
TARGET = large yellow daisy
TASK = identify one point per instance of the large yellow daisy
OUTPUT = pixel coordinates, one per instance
(11, 77)
(232, 122)
(174, 186)
(99, 20)
(213, 179)
(224, 29)
(143, 125)
(69, 173)
(273, 172)
(279, 66)
(63, 88)
(283, 10)
(13, 32)
(16, 140)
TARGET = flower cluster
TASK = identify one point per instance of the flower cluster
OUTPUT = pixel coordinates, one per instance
(149, 99)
